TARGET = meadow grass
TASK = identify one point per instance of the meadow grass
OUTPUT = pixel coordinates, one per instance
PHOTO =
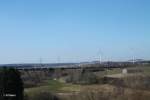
(53, 86)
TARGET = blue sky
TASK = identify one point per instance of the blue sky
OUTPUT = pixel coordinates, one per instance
(73, 30)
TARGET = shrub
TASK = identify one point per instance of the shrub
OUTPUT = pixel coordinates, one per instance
(140, 82)
(44, 96)
(26, 97)
(82, 78)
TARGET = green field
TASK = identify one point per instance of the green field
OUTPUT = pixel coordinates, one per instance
(53, 86)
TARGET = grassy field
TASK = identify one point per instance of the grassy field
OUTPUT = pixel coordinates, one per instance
(114, 71)
(146, 70)
(56, 86)
(53, 86)
(109, 72)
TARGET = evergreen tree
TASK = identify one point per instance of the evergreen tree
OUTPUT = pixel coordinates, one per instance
(11, 85)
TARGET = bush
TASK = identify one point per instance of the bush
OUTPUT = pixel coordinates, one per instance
(29, 84)
(44, 96)
(82, 78)
(88, 78)
(140, 82)
(26, 97)
(117, 93)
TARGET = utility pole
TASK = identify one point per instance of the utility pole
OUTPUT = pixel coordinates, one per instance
(100, 59)
(133, 60)
(40, 61)
(100, 56)
(58, 59)
(133, 57)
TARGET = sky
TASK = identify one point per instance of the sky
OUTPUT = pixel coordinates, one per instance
(73, 30)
